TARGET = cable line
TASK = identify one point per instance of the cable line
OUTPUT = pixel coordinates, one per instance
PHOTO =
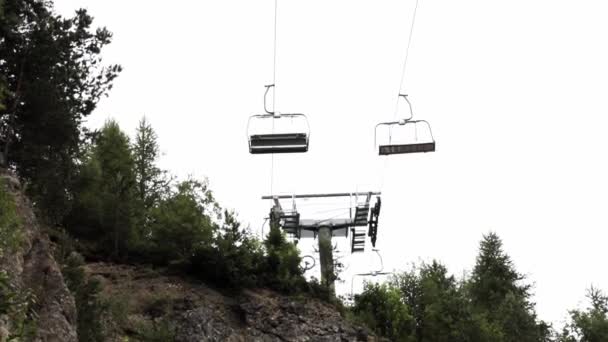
(407, 53)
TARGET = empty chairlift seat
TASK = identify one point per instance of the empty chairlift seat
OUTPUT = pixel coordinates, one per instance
(287, 133)
(278, 143)
(386, 150)
(404, 136)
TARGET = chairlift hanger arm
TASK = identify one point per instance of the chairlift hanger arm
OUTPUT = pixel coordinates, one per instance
(265, 95)
(401, 122)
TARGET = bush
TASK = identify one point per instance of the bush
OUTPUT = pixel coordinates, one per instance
(380, 308)
(10, 225)
(156, 331)
(89, 307)
(18, 306)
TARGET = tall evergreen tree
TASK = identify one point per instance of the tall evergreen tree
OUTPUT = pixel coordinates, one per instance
(152, 182)
(54, 75)
(498, 292)
(113, 154)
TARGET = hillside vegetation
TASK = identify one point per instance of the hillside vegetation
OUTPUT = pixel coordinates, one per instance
(120, 226)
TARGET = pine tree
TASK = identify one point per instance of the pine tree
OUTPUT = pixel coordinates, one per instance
(497, 292)
(113, 155)
(152, 182)
(54, 76)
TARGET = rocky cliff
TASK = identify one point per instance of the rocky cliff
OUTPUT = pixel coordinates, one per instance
(32, 269)
(196, 312)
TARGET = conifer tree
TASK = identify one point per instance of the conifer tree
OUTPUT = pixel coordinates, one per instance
(112, 154)
(54, 77)
(151, 180)
(497, 291)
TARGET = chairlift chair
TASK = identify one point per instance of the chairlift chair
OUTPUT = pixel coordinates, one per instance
(374, 273)
(290, 139)
(426, 144)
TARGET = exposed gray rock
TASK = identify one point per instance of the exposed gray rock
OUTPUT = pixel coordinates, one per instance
(268, 317)
(32, 268)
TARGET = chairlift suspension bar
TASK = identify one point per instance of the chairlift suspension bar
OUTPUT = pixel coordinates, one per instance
(265, 95)
(339, 194)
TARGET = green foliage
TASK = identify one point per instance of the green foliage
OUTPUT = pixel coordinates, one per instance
(490, 306)
(152, 182)
(117, 317)
(283, 270)
(494, 275)
(10, 225)
(497, 292)
(156, 331)
(18, 306)
(382, 309)
(590, 325)
(55, 77)
(236, 258)
(180, 223)
(104, 193)
(113, 153)
(89, 307)
(123, 203)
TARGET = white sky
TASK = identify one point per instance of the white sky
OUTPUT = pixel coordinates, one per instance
(515, 91)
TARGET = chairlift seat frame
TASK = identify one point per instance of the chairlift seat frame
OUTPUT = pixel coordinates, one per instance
(400, 148)
(385, 150)
(296, 141)
(278, 143)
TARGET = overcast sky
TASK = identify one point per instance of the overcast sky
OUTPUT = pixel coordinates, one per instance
(515, 92)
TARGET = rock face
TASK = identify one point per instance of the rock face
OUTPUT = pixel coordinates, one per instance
(276, 318)
(267, 317)
(32, 268)
(200, 313)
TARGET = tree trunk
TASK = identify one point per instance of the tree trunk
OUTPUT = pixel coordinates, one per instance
(327, 259)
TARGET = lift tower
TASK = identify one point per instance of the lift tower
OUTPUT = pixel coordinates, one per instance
(325, 228)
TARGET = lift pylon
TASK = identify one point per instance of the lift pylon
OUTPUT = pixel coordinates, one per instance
(325, 228)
